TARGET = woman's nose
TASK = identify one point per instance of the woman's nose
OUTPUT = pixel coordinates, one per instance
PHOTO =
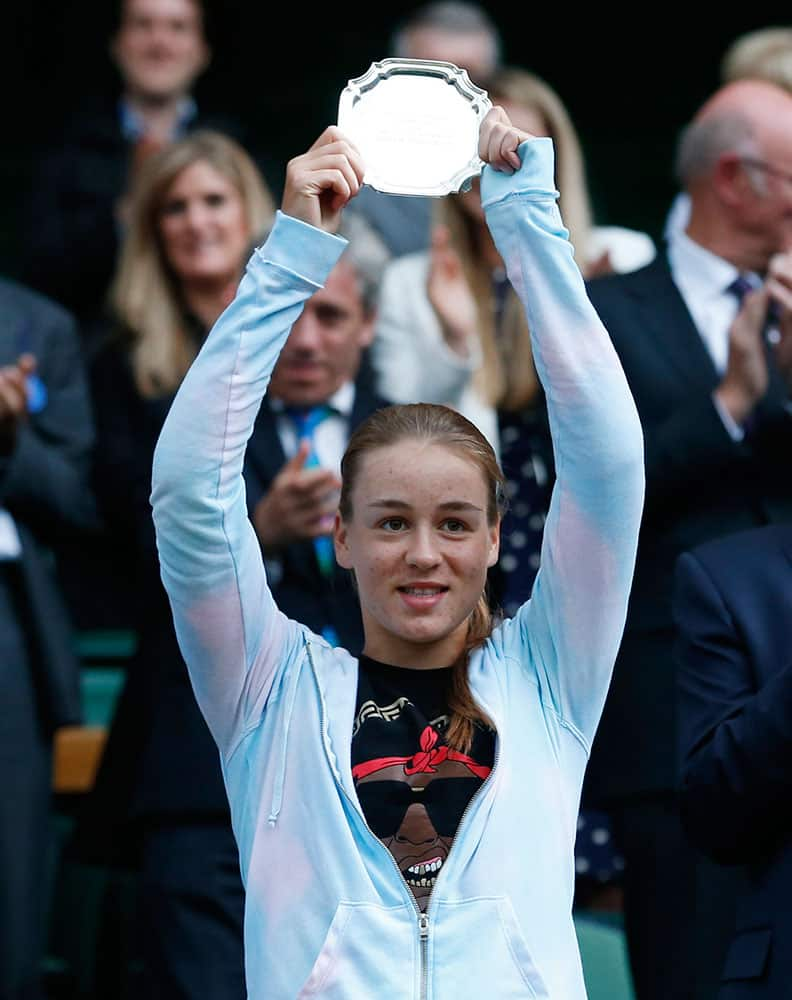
(197, 216)
(422, 551)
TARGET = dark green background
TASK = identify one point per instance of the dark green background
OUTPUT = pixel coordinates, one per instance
(630, 80)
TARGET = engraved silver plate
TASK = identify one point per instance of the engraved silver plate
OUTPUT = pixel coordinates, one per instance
(416, 124)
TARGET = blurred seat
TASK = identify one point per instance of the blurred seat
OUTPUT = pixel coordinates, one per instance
(603, 951)
(84, 908)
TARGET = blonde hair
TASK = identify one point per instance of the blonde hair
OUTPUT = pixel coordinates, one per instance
(145, 295)
(765, 54)
(507, 377)
(439, 425)
(520, 87)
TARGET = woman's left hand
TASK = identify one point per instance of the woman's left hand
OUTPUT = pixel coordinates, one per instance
(498, 141)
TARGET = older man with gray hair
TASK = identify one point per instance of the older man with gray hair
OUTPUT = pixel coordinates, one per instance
(704, 334)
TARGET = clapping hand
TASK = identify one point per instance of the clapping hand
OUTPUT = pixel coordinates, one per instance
(14, 396)
(450, 294)
(300, 504)
(778, 286)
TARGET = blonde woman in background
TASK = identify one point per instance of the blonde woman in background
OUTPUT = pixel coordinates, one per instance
(197, 209)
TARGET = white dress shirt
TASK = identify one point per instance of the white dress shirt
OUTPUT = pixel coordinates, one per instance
(10, 546)
(703, 280)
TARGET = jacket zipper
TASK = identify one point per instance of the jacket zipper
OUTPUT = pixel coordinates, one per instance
(423, 939)
(423, 918)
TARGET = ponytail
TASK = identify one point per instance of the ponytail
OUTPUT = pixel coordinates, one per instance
(465, 713)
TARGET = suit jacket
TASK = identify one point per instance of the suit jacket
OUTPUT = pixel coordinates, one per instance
(44, 484)
(701, 484)
(301, 591)
(733, 606)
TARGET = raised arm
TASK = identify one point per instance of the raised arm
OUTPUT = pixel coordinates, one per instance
(231, 634)
(574, 620)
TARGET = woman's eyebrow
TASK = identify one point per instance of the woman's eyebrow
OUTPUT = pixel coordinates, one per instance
(399, 504)
(458, 505)
(403, 505)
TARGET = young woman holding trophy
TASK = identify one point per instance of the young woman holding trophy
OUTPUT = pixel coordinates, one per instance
(406, 820)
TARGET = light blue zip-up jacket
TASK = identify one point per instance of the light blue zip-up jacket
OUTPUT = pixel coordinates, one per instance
(328, 913)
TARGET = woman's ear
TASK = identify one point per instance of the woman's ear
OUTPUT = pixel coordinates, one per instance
(494, 543)
(341, 543)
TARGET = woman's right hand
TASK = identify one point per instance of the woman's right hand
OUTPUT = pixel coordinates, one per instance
(321, 182)
(450, 294)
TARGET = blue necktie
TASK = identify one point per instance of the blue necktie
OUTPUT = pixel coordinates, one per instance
(305, 423)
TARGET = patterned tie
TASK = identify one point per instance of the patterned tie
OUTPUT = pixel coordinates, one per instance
(740, 287)
(305, 422)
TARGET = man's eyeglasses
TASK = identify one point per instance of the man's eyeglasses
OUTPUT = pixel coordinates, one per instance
(767, 168)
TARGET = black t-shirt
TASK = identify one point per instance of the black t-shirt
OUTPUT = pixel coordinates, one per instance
(412, 787)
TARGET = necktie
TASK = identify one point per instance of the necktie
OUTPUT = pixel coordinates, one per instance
(305, 421)
(740, 287)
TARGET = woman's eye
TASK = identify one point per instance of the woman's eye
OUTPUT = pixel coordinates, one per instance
(215, 200)
(392, 524)
(171, 208)
(453, 526)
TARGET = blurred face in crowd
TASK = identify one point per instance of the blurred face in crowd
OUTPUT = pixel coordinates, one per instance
(203, 227)
(160, 47)
(324, 346)
(765, 209)
(473, 50)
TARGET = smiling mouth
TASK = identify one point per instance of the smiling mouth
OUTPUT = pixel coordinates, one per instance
(423, 875)
(423, 591)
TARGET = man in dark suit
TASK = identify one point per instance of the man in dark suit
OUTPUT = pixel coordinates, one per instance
(733, 607)
(78, 200)
(712, 387)
(46, 435)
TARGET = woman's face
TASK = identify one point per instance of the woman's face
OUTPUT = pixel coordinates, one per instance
(203, 226)
(420, 545)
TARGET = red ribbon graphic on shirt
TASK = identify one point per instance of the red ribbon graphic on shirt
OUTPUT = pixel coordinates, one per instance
(423, 762)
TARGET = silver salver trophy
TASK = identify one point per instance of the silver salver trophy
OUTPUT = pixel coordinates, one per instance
(416, 124)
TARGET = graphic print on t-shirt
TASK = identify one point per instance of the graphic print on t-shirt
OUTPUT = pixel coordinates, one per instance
(414, 798)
